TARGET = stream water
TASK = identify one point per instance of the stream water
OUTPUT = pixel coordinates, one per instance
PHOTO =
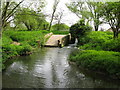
(49, 68)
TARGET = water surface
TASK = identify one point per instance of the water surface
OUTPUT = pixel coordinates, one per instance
(49, 68)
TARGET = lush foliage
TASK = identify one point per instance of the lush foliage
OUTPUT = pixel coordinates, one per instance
(34, 21)
(87, 10)
(93, 57)
(111, 14)
(12, 8)
(27, 39)
(100, 61)
(60, 27)
(99, 41)
(99, 13)
(79, 30)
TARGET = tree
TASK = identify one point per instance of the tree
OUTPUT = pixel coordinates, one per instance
(79, 30)
(88, 11)
(111, 12)
(56, 2)
(58, 18)
(8, 11)
(30, 18)
(94, 9)
(76, 7)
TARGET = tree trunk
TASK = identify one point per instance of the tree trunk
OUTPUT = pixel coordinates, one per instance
(96, 27)
(27, 26)
(51, 19)
(115, 32)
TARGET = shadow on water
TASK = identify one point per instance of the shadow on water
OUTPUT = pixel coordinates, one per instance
(49, 68)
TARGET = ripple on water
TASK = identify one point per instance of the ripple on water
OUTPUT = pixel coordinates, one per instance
(50, 68)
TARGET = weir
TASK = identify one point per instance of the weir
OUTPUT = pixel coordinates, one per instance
(58, 40)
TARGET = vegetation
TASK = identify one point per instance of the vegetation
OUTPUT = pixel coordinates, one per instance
(60, 32)
(100, 41)
(112, 16)
(90, 11)
(55, 5)
(16, 43)
(79, 30)
(99, 13)
(58, 27)
(100, 52)
(24, 28)
(107, 62)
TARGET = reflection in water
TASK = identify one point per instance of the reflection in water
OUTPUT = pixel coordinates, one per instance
(49, 68)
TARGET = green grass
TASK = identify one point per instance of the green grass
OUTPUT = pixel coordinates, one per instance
(27, 39)
(101, 53)
(101, 61)
(99, 41)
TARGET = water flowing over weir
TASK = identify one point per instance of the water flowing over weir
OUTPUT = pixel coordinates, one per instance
(49, 68)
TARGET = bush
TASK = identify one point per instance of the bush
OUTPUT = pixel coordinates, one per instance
(99, 41)
(27, 40)
(29, 37)
(8, 51)
(102, 61)
(79, 30)
(112, 45)
(58, 27)
(6, 40)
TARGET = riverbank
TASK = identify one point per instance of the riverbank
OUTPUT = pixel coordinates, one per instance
(101, 54)
(106, 62)
(19, 43)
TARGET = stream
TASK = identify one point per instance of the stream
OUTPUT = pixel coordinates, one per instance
(50, 68)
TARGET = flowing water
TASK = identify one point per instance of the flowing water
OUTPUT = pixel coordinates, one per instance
(49, 68)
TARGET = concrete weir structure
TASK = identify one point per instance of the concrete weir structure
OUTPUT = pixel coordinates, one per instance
(55, 40)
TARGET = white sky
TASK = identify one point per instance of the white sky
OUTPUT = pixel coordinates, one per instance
(69, 18)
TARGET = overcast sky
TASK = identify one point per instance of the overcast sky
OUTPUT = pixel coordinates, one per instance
(69, 18)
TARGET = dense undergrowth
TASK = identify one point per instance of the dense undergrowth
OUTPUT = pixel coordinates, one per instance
(100, 41)
(101, 61)
(27, 41)
(98, 51)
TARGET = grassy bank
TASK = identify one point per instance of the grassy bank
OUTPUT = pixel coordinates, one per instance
(16, 43)
(99, 41)
(107, 62)
(99, 53)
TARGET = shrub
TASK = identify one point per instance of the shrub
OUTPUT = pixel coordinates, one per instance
(6, 40)
(79, 30)
(26, 40)
(58, 27)
(112, 45)
(99, 41)
(101, 61)
(8, 51)
(23, 50)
